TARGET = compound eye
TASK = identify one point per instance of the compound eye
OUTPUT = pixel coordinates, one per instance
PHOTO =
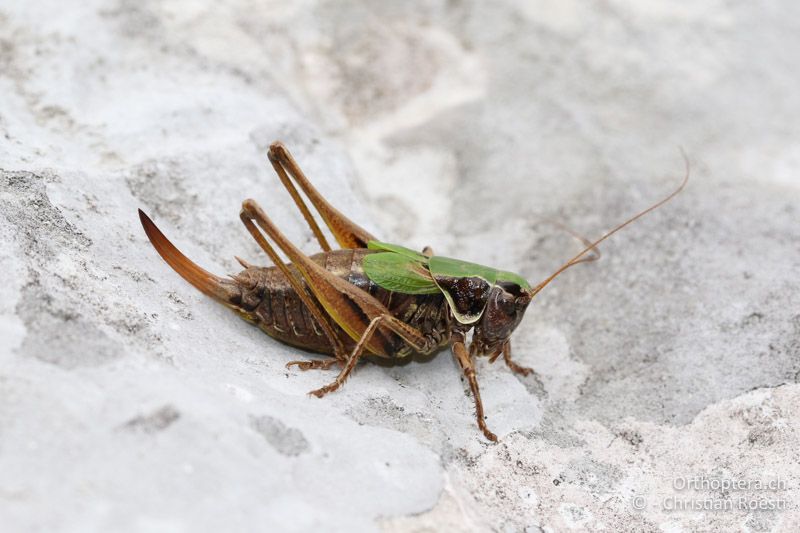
(523, 301)
(511, 288)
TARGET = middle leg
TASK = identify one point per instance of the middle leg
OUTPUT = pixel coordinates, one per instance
(519, 369)
(351, 362)
(388, 321)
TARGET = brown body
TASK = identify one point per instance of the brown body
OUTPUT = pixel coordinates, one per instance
(269, 301)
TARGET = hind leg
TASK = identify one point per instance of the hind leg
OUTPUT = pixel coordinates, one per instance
(347, 233)
(314, 364)
(309, 300)
(349, 307)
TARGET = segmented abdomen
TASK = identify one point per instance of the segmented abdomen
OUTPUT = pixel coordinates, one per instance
(269, 301)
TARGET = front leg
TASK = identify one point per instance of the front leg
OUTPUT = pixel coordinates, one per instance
(519, 369)
(468, 366)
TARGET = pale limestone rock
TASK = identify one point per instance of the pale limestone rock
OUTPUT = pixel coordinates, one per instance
(129, 402)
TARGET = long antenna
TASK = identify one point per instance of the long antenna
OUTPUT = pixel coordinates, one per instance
(577, 259)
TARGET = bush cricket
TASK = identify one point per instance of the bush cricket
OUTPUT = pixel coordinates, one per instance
(370, 297)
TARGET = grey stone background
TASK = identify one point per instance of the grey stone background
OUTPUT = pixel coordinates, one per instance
(129, 402)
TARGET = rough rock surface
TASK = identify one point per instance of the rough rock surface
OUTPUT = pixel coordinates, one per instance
(129, 402)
